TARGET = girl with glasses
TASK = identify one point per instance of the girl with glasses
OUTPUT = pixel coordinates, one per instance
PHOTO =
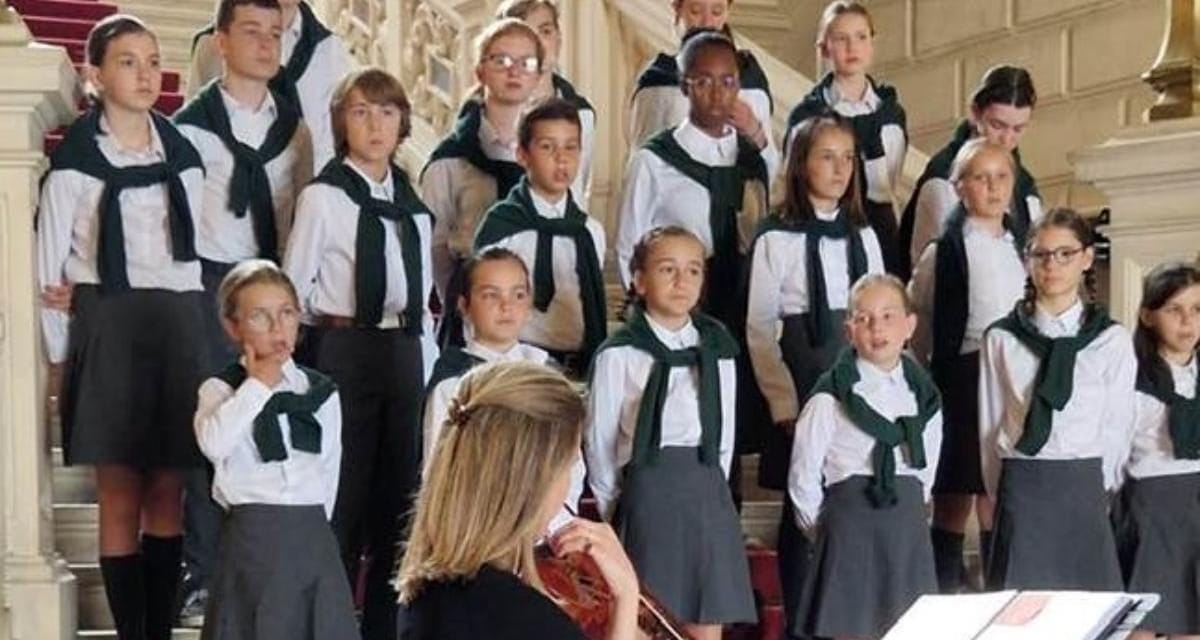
(1056, 404)
(272, 430)
(476, 164)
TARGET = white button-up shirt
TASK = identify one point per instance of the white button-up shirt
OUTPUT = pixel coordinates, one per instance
(618, 382)
(68, 231)
(779, 288)
(830, 448)
(224, 427)
(657, 194)
(322, 252)
(1095, 423)
(1151, 452)
(995, 282)
(221, 236)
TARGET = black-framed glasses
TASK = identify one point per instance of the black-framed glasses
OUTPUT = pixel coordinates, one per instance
(504, 62)
(1060, 255)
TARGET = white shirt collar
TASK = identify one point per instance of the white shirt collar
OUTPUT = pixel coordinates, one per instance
(972, 227)
(870, 100)
(827, 216)
(232, 105)
(548, 209)
(699, 144)
(379, 190)
(517, 352)
(686, 336)
(293, 378)
(110, 143)
(1066, 323)
(1185, 377)
(489, 135)
(873, 376)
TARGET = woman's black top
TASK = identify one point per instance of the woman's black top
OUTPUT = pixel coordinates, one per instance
(496, 605)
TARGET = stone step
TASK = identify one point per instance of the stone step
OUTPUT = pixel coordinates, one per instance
(192, 14)
(178, 634)
(71, 485)
(77, 532)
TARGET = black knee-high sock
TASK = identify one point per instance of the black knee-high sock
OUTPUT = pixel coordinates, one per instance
(126, 591)
(161, 568)
(948, 559)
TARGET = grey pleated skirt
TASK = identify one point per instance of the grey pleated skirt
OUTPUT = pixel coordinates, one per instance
(1157, 523)
(959, 464)
(134, 362)
(279, 577)
(676, 519)
(869, 564)
(1052, 529)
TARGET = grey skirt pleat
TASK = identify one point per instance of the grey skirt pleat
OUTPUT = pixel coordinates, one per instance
(676, 520)
(134, 362)
(869, 564)
(279, 577)
(1158, 538)
(959, 469)
(1052, 529)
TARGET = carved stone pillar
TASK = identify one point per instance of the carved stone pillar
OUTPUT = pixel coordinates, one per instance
(38, 91)
(1175, 75)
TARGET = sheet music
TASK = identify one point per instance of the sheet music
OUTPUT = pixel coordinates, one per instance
(1060, 615)
(949, 617)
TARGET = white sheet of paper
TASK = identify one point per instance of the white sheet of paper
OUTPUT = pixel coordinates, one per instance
(957, 617)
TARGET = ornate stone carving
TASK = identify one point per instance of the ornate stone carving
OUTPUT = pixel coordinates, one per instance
(1175, 75)
(430, 66)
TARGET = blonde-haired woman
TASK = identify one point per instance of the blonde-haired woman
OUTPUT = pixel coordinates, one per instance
(500, 471)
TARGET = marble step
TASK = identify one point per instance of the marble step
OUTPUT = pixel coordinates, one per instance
(71, 485)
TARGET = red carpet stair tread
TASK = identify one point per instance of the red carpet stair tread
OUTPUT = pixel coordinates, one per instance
(66, 23)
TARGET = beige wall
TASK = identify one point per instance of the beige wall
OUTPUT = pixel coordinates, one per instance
(1085, 56)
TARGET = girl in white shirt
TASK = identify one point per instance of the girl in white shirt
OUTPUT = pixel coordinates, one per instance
(1056, 398)
(846, 44)
(1156, 518)
(963, 283)
(866, 448)
(121, 293)
(802, 265)
(659, 440)
(272, 431)
(476, 163)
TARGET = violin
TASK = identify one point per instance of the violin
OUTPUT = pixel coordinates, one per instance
(575, 584)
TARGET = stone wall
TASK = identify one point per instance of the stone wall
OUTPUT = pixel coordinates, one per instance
(1086, 57)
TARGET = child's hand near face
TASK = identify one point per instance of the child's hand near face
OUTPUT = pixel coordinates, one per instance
(743, 119)
(266, 368)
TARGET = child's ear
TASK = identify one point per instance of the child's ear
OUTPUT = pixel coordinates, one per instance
(848, 329)
(1089, 257)
(463, 305)
(231, 330)
(910, 326)
(523, 157)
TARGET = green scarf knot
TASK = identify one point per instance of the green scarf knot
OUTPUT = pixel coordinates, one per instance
(1055, 378)
(300, 410)
(909, 431)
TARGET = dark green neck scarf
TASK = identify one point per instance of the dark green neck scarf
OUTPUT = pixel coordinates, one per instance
(516, 214)
(715, 344)
(1183, 414)
(370, 263)
(726, 188)
(249, 186)
(312, 33)
(951, 296)
(820, 318)
(80, 151)
(1055, 379)
(463, 142)
(939, 167)
(905, 430)
(300, 409)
